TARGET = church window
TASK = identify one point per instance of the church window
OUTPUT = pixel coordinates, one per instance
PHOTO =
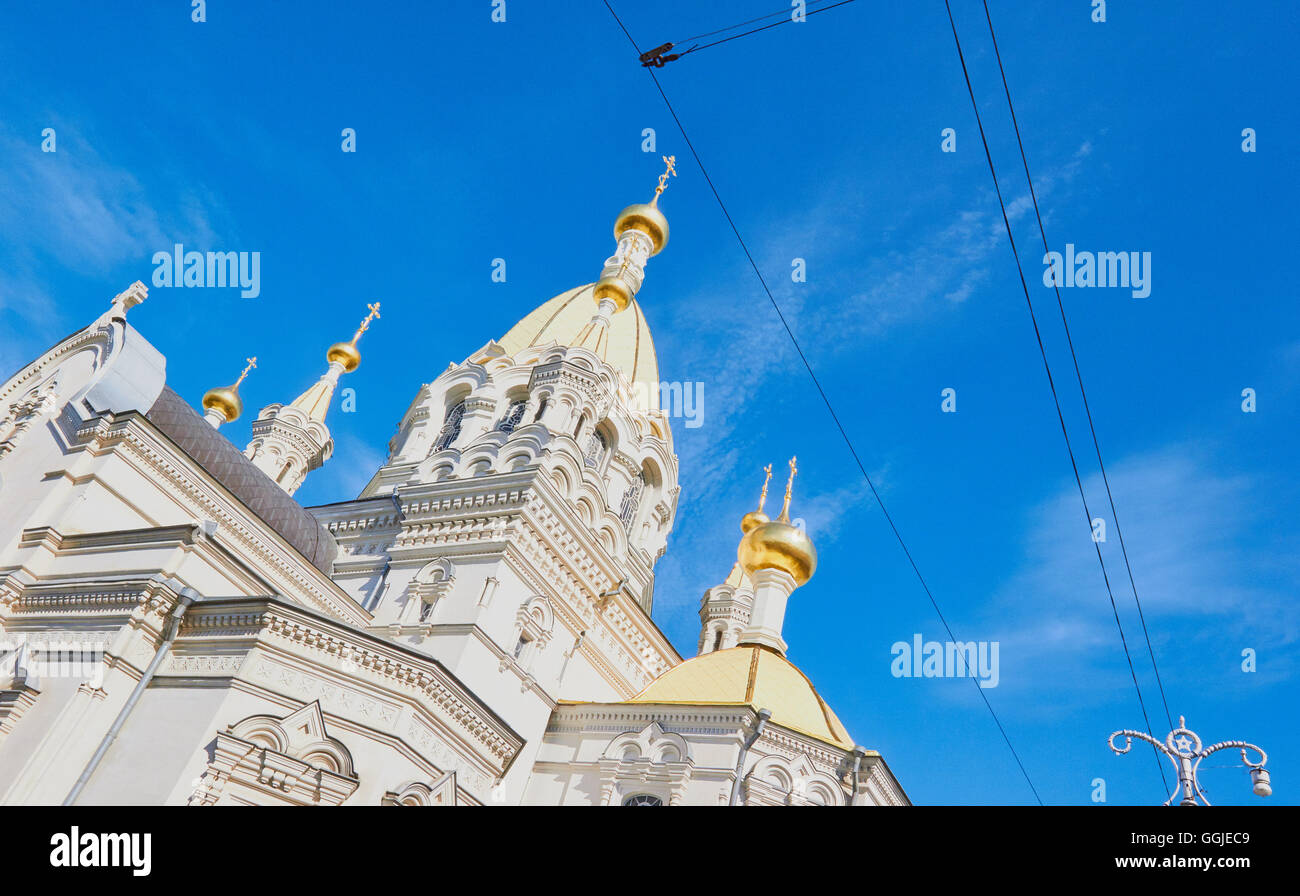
(541, 409)
(524, 641)
(643, 799)
(514, 415)
(717, 640)
(284, 473)
(631, 501)
(596, 447)
(450, 427)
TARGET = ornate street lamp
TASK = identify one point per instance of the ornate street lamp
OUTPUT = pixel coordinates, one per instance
(1183, 747)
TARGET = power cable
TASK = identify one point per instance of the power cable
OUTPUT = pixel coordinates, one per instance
(1078, 375)
(1051, 384)
(657, 57)
(826, 400)
(780, 12)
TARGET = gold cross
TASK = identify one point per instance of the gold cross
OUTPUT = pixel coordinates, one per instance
(365, 324)
(789, 488)
(252, 362)
(762, 498)
(671, 162)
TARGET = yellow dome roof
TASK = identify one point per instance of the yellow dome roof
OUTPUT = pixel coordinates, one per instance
(750, 676)
(625, 343)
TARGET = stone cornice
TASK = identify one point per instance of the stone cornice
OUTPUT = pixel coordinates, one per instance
(367, 659)
(97, 333)
(587, 383)
(881, 781)
(617, 718)
(25, 595)
(285, 568)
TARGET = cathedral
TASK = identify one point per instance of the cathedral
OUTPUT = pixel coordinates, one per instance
(474, 628)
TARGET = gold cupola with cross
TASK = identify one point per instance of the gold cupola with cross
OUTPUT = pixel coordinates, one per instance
(223, 404)
(617, 332)
(291, 440)
(774, 558)
(777, 544)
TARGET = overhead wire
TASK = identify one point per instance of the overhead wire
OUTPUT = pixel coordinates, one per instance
(788, 18)
(1077, 373)
(1052, 385)
(771, 15)
(822, 393)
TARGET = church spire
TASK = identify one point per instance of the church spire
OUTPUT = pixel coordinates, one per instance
(756, 518)
(291, 440)
(641, 231)
(223, 405)
(343, 357)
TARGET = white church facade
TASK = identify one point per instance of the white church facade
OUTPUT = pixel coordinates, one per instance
(473, 629)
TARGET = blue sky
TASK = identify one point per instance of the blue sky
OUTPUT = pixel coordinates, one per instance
(522, 141)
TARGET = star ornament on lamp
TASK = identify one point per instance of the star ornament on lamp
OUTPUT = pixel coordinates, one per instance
(1183, 748)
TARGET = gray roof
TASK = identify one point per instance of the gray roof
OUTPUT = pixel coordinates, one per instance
(225, 463)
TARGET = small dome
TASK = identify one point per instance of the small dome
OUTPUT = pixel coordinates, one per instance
(346, 354)
(778, 545)
(753, 520)
(225, 401)
(646, 218)
(750, 676)
(615, 289)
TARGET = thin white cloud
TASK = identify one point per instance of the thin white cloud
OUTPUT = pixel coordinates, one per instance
(1212, 583)
(927, 260)
(72, 210)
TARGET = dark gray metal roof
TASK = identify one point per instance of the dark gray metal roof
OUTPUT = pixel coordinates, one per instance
(225, 463)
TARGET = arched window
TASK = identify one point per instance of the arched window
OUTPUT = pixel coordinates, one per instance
(541, 409)
(522, 644)
(514, 415)
(284, 473)
(450, 426)
(643, 799)
(631, 502)
(596, 447)
(717, 640)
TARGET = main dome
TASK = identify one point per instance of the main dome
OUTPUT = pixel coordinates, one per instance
(625, 342)
(750, 676)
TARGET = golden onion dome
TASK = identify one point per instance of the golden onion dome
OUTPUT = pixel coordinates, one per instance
(225, 401)
(778, 545)
(646, 218)
(750, 675)
(344, 353)
(613, 288)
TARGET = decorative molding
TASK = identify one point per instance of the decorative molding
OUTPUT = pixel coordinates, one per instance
(441, 792)
(291, 760)
(247, 536)
(364, 658)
